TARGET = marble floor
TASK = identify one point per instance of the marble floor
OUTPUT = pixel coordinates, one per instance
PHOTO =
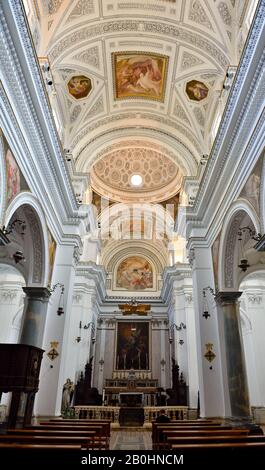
(131, 439)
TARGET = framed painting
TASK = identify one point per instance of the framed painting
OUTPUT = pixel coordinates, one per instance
(132, 346)
(134, 273)
(139, 75)
(13, 177)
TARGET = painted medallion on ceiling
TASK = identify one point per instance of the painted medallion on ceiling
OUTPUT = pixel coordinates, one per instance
(196, 91)
(139, 75)
(134, 273)
(79, 86)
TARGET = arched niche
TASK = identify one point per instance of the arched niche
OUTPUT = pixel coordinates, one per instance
(33, 244)
(241, 214)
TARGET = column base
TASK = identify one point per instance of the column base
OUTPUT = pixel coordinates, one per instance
(239, 421)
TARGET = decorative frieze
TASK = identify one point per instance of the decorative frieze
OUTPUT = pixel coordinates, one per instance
(255, 299)
(7, 296)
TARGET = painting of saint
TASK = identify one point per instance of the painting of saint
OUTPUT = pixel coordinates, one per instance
(135, 273)
(132, 345)
(139, 75)
(52, 249)
(196, 91)
(79, 86)
(13, 176)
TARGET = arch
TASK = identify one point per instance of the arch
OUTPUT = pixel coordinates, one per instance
(137, 257)
(100, 145)
(2, 179)
(262, 196)
(35, 243)
(228, 273)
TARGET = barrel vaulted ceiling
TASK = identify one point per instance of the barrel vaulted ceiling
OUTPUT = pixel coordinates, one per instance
(148, 71)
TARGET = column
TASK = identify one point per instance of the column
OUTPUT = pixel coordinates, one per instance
(235, 361)
(192, 378)
(101, 357)
(54, 372)
(163, 361)
(213, 400)
(36, 305)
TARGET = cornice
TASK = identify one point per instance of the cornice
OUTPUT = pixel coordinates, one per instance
(96, 273)
(177, 272)
(234, 150)
(30, 103)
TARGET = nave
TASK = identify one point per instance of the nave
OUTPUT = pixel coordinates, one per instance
(132, 218)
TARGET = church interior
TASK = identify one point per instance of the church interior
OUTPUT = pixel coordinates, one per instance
(132, 221)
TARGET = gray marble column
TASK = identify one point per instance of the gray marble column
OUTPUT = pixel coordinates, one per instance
(235, 360)
(36, 304)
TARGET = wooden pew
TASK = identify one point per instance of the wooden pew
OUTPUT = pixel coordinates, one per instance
(101, 433)
(84, 442)
(157, 428)
(162, 431)
(171, 441)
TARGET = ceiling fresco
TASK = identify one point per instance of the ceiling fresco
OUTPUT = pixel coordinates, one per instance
(139, 75)
(153, 69)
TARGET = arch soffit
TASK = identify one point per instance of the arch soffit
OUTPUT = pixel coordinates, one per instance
(27, 200)
(115, 254)
(101, 145)
(229, 234)
(2, 180)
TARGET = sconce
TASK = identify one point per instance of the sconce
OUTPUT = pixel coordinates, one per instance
(260, 246)
(18, 256)
(4, 240)
(101, 363)
(206, 313)
(60, 310)
(181, 342)
(9, 229)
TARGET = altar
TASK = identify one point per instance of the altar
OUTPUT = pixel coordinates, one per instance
(131, 391)
(132, 399)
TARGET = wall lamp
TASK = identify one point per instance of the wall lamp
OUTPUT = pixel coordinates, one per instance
(260, 245)
(60, 310)
(17, 222)
(206, 313)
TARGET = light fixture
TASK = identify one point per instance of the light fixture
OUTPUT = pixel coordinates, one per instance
(136, 180)
(244, 264)
(181, 342)
(9, 229)
(4, 240)
(60, 310)
(18, 256)
(206, 313)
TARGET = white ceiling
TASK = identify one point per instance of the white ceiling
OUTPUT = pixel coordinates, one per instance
(198, 38)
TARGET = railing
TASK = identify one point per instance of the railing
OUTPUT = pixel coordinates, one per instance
(173, 412)
(97, 412)
(112, 412)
